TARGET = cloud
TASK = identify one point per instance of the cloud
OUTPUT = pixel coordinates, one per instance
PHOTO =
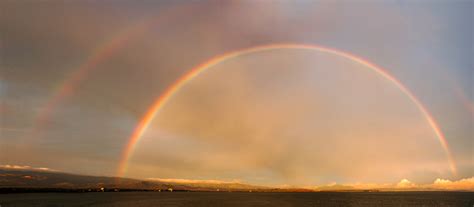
(25, 167)
(7, 129)
(465, 184)
(188, 181)
(404, 184)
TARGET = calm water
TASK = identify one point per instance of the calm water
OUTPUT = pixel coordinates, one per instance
(238, 199)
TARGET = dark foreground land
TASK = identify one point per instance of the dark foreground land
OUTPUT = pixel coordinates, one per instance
(239, 199)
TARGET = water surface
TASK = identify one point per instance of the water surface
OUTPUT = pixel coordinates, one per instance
(239, 199)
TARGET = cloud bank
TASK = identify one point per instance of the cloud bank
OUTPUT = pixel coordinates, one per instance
(25, 167)
(466, 184)
(192, 181)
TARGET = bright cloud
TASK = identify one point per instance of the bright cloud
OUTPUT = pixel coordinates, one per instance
(466, 184)
(173, 180)
(405, 184)
(25, 167)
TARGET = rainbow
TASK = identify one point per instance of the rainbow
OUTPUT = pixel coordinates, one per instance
(196, 71)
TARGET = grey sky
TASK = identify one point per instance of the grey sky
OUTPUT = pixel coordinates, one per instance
(427, 45)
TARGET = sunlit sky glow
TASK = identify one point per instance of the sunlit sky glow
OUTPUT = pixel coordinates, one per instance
(77, 79)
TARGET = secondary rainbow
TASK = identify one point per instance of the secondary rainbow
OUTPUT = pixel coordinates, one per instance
(172, 89)
(67, 87)
(101, 54)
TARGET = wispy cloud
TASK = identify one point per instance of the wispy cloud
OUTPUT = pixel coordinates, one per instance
(189, 181)
(25, 167)
(7, 129)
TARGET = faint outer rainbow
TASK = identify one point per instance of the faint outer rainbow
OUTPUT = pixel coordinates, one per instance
(70, 83)
(172, 89)
(461, 95)
(99, 55)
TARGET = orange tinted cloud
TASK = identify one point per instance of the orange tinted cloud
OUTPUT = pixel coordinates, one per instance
(25, 167)
(405, 184)
(463, 184)
(174, 180)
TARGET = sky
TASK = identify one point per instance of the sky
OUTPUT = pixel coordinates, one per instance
(78, 77)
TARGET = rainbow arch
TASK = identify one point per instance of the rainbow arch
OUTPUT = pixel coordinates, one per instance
(180, 82)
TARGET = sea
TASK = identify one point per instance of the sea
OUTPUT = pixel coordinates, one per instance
(239, 199)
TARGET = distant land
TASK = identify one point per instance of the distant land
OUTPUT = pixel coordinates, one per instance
(30, 180)
(13, 180)
(20, 181)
